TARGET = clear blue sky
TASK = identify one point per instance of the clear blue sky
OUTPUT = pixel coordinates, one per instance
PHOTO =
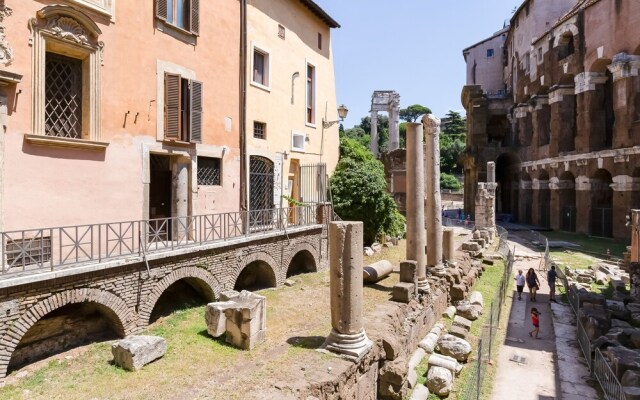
(411, 46)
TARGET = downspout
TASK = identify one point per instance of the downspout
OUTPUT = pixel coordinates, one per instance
(243, 105)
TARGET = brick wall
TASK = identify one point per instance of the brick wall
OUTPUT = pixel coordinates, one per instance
(128, 293)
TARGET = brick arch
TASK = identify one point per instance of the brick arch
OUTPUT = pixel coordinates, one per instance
(183, 273)
(297, 249)
(275, 266)
(125, 319)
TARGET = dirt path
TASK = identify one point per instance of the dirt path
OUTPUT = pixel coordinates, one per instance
(533, 373)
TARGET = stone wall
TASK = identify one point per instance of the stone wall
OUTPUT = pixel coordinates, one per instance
(127, 294)
(395, 329)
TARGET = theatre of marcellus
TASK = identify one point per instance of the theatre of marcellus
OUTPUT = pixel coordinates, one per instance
(553, 99)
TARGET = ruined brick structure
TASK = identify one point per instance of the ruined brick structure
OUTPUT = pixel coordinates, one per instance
(562, 124)
(120, 297)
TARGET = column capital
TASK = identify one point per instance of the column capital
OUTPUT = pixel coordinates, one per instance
(587, 81)
(625, 183)
(431, 124)
(557, 93)
(624, 66)
(582, 183)
(522, 110)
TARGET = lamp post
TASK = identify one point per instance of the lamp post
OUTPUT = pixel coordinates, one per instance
(342, 114)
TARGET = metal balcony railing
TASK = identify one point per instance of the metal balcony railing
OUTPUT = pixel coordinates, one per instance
(34, 250)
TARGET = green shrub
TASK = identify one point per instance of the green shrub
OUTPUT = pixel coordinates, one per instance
(449, 182)
(359, 192)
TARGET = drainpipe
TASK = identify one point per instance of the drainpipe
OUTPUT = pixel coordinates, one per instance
(243, 105)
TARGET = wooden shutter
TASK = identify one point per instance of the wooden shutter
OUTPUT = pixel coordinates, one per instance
(172, 101)
(161, 9)
(196, 112)
(195, 17)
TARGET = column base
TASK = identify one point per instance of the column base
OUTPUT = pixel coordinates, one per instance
(438, 270)
(353, 346)
(423, 286)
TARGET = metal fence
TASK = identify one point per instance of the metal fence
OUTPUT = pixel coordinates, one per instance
(50, 248)
(314, 183)
(596, 362)
(608, 381)
(473, 389)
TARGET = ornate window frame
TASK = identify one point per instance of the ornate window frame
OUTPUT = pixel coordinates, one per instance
(65, 30)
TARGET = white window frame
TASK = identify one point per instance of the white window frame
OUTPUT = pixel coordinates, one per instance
(304, 140)
(313, 122)
(267, 66)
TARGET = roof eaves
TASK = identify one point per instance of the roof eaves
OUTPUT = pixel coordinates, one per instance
(320, 13)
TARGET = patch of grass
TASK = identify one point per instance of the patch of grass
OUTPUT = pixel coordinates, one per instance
(589, 244)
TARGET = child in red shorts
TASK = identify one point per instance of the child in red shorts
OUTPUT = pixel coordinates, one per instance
(536, 322)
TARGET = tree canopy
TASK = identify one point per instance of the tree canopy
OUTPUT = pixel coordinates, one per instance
(412, 113)
(359, 192)
(455, 124)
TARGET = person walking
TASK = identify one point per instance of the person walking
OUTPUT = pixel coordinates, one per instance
(535, 319)
(519, 283)
(551, 279)
(533, 283)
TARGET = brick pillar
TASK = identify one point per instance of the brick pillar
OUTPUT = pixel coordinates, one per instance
(624, 70)
(624, 191)
(554, 204)
(562, 103)
(541, 128)
(535, 204)
(591, 118)
(583, 205)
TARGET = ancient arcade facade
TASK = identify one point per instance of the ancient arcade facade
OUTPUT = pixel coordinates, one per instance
(563, 129)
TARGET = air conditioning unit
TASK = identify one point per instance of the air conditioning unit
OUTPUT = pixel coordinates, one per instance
(298, 140)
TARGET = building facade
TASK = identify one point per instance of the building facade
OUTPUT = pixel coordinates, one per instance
(563, 132)
(110, 113)
(290, 96)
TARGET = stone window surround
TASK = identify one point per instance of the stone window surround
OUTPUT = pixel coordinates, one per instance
(163, 67)
(104, 7)
(255, 46)
(308, 62)
(65, 30)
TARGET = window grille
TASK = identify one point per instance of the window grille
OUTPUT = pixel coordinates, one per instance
(208, 171)
(259, 130)
(281, 31)
(28, 251)
(63, 96)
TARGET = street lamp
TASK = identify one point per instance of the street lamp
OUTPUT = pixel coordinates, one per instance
(342, 114)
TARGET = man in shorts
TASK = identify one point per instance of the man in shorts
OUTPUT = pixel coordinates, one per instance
(519, 283)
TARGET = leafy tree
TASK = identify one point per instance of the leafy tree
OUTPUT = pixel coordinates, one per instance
(359, 192)
(456, 124)
(341, 128)
(357, 134)
(411, 113)
(449, 182)
(451, 147)
(403, 135)
(383, 130)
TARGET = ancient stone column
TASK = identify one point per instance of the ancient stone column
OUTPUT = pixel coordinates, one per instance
(345, 258)
(448, 244)
(374, 133)
(180, 183)
(394, 126)
(434, 201)
(491, 172)
(635, 236)
(416, 239)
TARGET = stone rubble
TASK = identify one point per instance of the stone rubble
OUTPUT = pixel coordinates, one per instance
(134, 352)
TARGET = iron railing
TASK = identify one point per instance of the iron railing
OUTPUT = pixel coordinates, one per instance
(50, 248)
(608, 381)
(584, 343)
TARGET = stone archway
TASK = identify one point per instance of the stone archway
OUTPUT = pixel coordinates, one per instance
(525, 214)
(199, 278)
(507, 166)
(257, 271)
(567, 201)
(601, 197)
(112, 306)
(304, 259)
(544, 200)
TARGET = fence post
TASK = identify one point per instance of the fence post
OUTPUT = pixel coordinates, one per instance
(490, 331)
(479, 371)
